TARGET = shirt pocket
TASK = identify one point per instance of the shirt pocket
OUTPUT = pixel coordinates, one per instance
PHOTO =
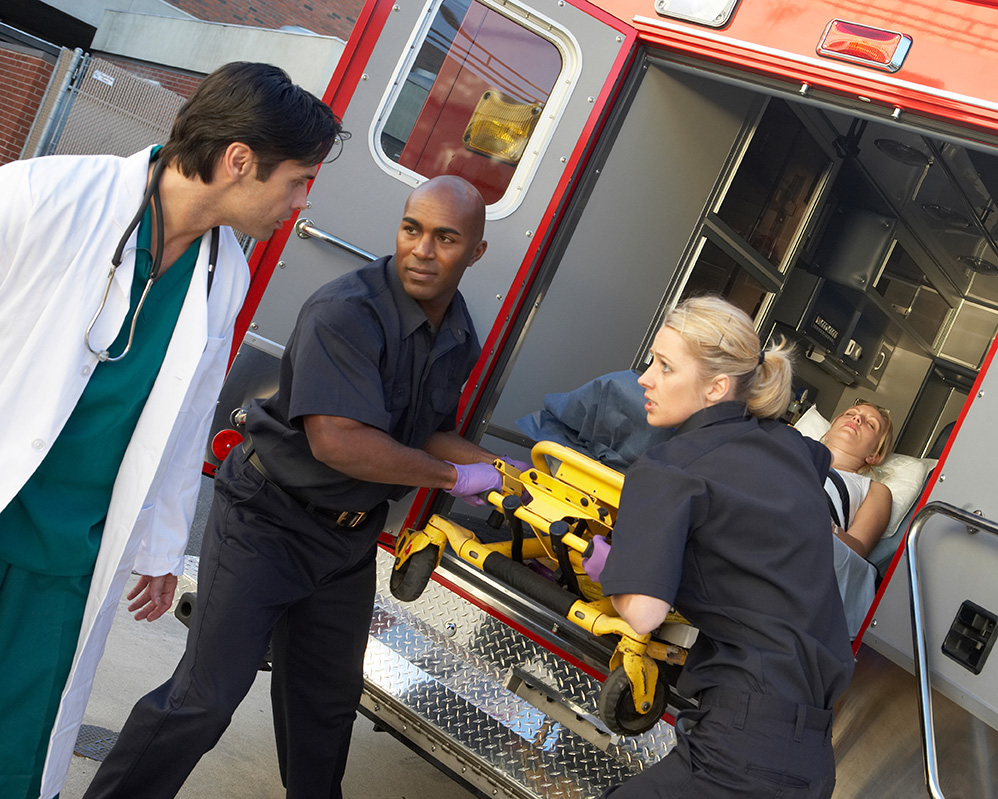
(444, 400)
(399, 397)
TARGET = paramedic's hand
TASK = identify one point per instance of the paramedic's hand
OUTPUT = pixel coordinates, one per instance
(598, 549)
(156, 596)
(520, 466)
(474, 479)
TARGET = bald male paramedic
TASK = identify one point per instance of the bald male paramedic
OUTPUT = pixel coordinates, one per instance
(103, 422)
(365, 409)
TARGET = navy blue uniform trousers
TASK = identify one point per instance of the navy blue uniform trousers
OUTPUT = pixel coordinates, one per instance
(739, 745)
(267, 569)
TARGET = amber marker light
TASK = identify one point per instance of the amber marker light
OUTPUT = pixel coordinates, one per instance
(861, 44)
(500, 126)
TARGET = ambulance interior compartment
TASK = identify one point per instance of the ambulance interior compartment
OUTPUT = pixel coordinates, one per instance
(869, 243)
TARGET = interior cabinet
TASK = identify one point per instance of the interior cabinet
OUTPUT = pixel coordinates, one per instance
(851, 334)
(751, 237)
(912, 296)
(774, 188)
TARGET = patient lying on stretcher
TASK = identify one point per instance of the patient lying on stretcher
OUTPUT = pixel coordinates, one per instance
(859, 438)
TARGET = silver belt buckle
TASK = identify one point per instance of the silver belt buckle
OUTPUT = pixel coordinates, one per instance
(350, 518)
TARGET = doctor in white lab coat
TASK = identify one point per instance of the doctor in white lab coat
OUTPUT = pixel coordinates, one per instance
(61, 218)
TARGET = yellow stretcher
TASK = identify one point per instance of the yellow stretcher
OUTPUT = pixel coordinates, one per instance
(552, 517)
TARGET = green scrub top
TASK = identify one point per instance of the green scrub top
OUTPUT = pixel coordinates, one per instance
(54, 525)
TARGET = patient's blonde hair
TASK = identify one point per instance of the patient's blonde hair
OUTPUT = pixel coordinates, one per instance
(886, 441)
(723, 340)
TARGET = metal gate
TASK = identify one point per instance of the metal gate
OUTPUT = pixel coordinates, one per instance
(94, 106)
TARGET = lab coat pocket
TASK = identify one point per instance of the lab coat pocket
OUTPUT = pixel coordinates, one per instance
(208, 376)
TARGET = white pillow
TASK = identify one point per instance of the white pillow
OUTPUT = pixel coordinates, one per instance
(812, 424)
(902, 474)
(905, 477)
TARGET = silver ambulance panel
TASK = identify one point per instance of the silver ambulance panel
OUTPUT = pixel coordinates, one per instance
(357, 200)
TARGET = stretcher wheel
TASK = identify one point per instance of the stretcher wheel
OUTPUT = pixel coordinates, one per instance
(410, 578)
(616, 705)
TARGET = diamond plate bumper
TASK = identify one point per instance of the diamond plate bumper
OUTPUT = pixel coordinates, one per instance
(455, 682)
(468, 690)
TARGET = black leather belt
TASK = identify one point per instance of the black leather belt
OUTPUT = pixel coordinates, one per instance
(340, 518)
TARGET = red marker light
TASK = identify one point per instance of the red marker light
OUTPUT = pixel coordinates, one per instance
(860, 44)
(224, 442)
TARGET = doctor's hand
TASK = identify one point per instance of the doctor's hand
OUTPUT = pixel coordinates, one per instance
(155, 596)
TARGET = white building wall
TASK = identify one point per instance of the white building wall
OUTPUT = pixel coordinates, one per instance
(91, 11)
(198, 46)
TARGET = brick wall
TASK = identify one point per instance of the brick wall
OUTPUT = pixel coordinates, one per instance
(24, 76)
(326, 17)
(182, 83)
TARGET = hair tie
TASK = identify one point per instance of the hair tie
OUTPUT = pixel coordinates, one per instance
(762, 356)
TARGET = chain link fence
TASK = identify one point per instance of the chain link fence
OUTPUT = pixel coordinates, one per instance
(95, 106)
(115, 112)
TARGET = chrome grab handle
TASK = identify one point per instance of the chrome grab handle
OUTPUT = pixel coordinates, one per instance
(974, 524)
(306, 230)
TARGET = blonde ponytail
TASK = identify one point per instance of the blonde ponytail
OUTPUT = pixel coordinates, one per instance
(723, 340)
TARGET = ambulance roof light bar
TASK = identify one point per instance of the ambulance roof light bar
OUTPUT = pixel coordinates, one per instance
(860, 44)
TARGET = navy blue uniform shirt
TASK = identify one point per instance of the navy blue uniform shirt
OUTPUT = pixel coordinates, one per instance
(363, 349)
(727, 521)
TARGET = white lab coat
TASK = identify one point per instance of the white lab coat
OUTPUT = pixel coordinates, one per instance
(60, 220)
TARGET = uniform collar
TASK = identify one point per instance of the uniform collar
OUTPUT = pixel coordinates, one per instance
(715, 414)
(411, 314)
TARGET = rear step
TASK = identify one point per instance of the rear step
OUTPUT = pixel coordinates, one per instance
(495, 709)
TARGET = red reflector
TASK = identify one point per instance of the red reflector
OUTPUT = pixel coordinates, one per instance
(864, 45)
(224, 441)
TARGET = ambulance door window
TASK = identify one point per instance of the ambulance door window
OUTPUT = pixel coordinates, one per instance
(474, 94)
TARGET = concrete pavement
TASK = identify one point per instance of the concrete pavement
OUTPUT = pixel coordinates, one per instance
(141, 655)
(243, 765)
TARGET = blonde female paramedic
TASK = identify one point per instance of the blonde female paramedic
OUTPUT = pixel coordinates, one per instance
(727, 521)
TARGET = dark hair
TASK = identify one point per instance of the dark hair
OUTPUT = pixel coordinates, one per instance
(258, 105)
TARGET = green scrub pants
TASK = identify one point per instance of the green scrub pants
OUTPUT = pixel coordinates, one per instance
(40, 620)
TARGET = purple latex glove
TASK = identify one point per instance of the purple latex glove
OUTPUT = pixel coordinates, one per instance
(520, 466)
(474, 479)
(598, 548)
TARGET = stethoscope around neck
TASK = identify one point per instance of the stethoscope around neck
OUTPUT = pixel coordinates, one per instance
(149, 200)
